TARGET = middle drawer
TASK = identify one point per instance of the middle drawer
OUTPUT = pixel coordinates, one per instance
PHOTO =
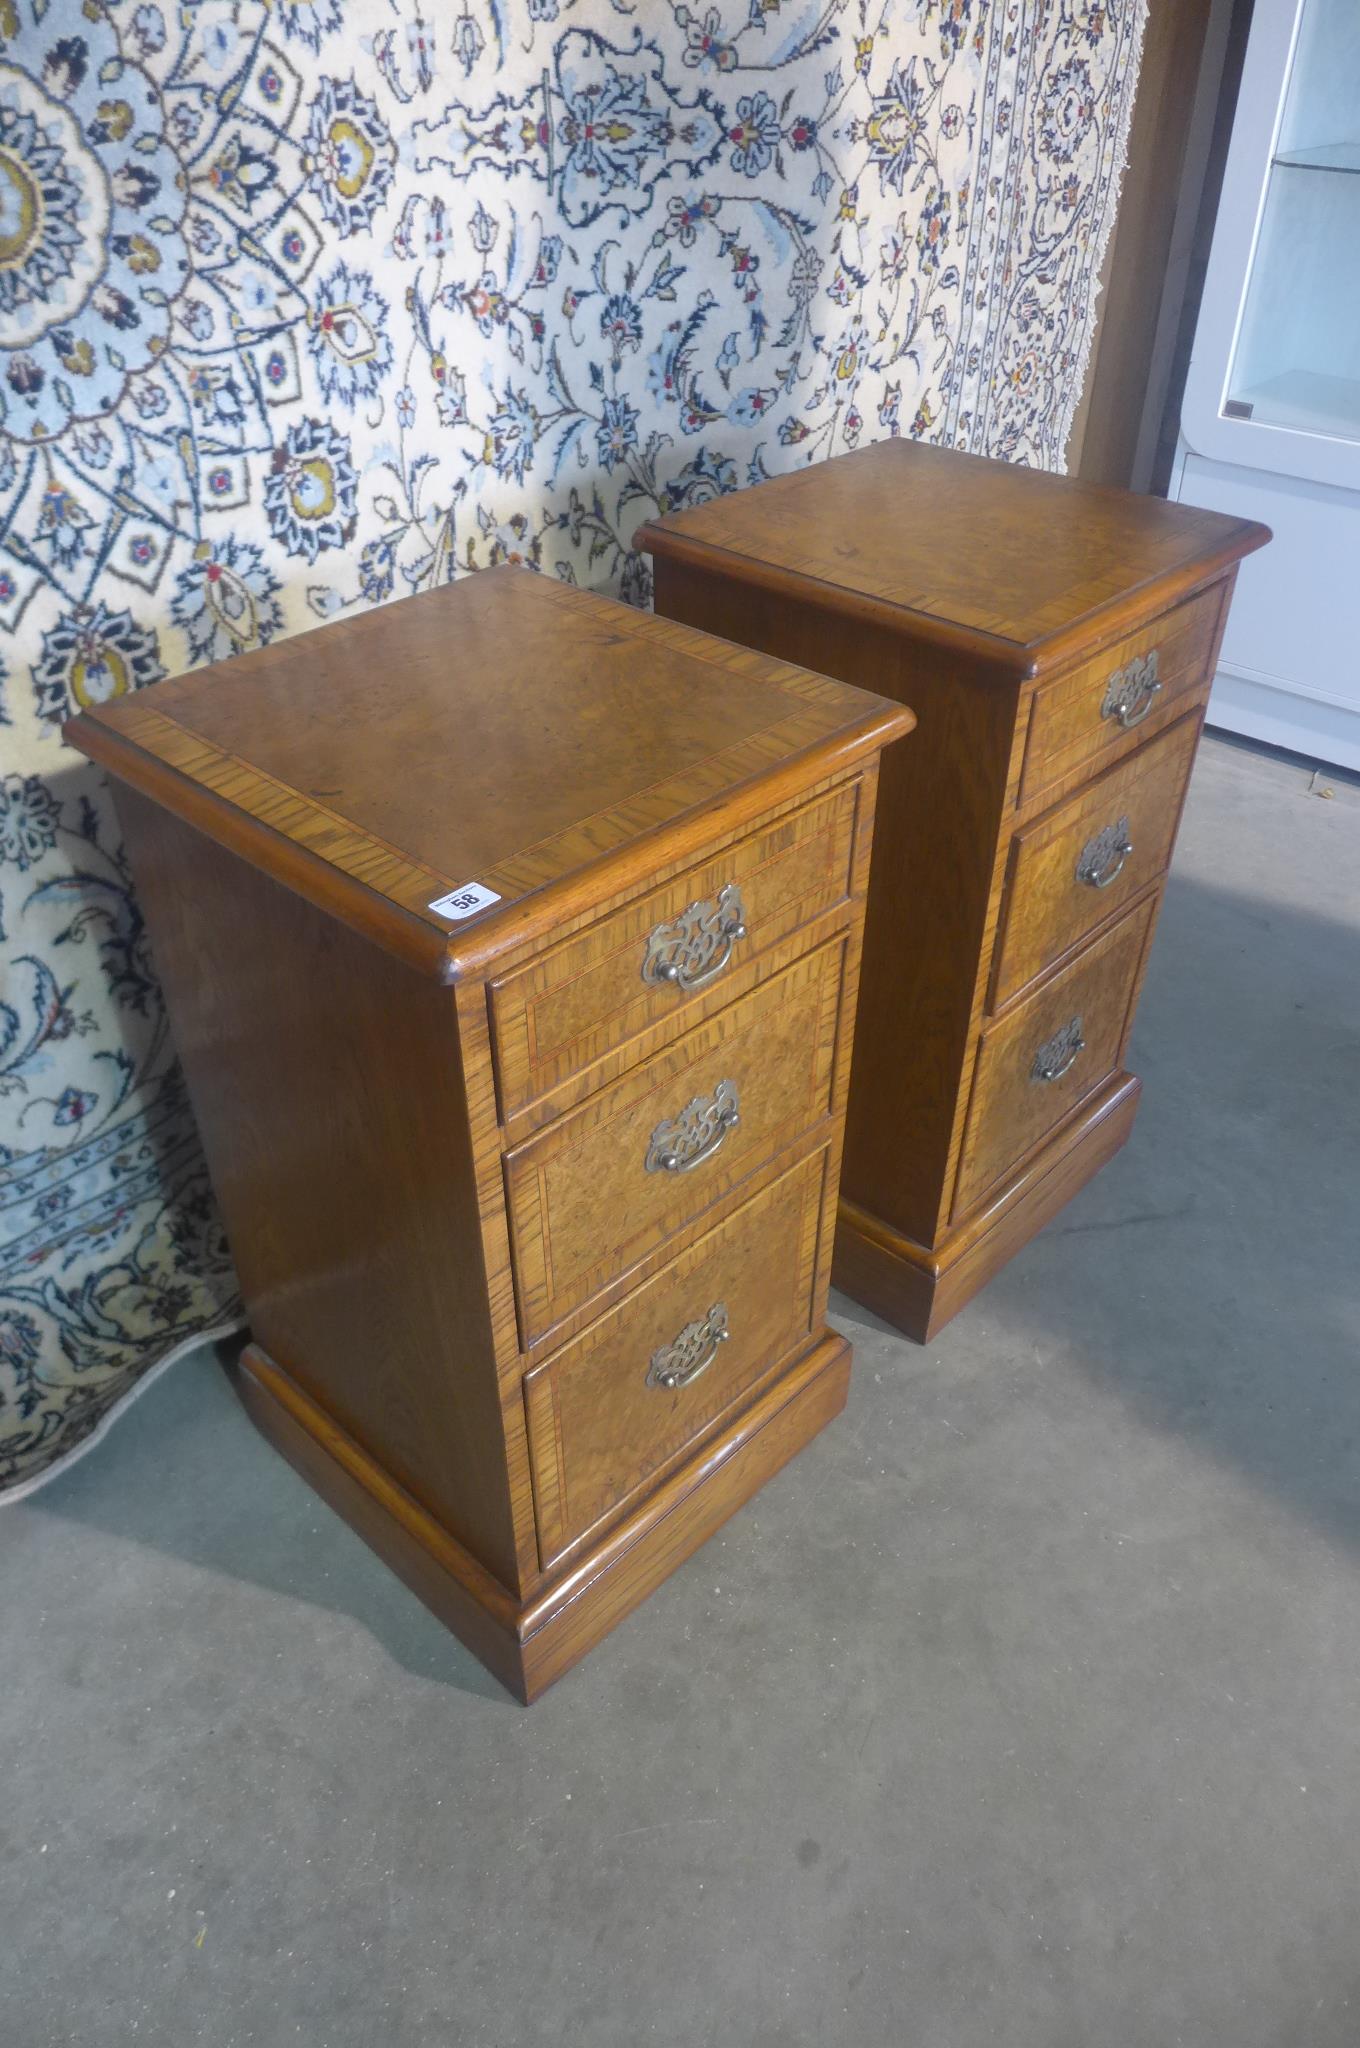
(1078, 865)
(594, 1193)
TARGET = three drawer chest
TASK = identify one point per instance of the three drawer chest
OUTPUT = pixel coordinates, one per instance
(1057, 641)
(510, 941)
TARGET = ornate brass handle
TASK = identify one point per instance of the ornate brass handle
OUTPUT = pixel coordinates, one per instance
(1102, 859)
(1052, 1060)
(679, 1363)
(691, 950)
(1131, 689)
(681, 1143)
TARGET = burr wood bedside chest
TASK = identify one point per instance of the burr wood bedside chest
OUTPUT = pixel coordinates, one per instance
(510, 940)
(1057, 641)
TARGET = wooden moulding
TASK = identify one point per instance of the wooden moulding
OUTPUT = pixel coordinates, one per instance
(531, 1644)
(918, 1289)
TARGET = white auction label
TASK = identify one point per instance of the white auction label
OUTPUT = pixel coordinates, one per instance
(464, 902)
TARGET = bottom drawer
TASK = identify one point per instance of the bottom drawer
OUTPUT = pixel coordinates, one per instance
(620, 1401)
(1050, 1053)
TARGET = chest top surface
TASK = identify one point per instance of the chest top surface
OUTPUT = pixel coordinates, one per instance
(505, 730)
(1009, 555)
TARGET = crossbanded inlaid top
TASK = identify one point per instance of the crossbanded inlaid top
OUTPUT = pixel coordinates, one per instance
(991, 548)
(506, 730)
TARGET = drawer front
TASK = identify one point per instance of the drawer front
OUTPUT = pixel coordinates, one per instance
(1048, 1055)
(1130, 690)
(628, 1395)
(665, 959)
(1075, 868)
(602, 1187)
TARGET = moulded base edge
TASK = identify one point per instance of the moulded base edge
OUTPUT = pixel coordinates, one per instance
(918, 1288)
(530, 1644)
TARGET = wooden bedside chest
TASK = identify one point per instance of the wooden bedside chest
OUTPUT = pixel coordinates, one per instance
(510, 940)
(1057, 641)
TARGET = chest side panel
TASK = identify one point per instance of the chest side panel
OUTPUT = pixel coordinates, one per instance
(941, 802)
(327, 1083)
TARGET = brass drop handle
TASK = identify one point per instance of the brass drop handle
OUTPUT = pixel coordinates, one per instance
(1102, 859)
(679, 1363)
(1054, 1059)
(1131, 689)
(689, 951)
(680, 1143)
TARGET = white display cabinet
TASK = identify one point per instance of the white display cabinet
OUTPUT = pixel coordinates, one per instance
(1270, 425)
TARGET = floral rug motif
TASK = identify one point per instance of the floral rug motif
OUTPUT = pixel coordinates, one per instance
(307, 305)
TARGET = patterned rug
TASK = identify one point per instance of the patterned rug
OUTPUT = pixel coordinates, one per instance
(307, 305)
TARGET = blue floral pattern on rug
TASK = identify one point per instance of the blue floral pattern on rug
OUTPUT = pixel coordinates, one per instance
(310, 306)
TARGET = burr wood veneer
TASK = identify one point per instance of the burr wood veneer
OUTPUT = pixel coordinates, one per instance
(1057, 641)
(510, 940)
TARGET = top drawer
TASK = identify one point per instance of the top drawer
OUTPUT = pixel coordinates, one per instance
(1128, 691)
(663, 959)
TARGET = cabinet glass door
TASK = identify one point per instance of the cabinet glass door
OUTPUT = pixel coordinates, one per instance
(1296, 363)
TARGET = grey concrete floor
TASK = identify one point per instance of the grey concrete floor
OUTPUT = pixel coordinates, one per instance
(1024, 1708)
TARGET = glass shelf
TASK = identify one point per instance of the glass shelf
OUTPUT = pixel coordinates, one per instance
(1329, 156)
(1296, 360)
(1309, 401)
